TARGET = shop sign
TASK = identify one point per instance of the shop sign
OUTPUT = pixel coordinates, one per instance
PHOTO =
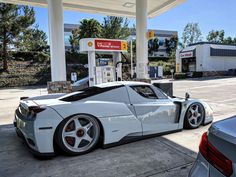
(186, 54)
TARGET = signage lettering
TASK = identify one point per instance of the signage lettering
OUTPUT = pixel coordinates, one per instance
(186, 55)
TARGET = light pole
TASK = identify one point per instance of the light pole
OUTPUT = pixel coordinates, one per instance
(131, 38)
(131, 58)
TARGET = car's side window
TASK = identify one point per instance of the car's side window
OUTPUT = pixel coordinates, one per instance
(160, 94)
(145, 91)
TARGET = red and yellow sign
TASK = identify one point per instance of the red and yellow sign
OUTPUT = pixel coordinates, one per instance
(110, 45)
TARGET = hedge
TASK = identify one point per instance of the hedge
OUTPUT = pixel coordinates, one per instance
(179, 75)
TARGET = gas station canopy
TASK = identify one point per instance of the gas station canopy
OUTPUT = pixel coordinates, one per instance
(140, 9)
(124, 8)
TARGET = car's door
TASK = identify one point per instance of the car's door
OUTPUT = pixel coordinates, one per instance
(154, 109)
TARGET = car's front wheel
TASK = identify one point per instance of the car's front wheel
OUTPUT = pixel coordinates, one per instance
(78, 134)
(194, 116)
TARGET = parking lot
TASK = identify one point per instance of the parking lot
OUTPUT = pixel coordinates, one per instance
(164, 156)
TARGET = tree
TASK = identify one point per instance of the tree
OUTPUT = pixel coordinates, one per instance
(115, 28)
(171, 44)
(14, 19)
(153, 45)
(216, 36)
(219, 37)
(191, 34)
(32, 39)
(228, 40)
(74, 39)
(89, 28)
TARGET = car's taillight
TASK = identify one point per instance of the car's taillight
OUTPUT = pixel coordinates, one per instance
(36, 109)
(215, 157)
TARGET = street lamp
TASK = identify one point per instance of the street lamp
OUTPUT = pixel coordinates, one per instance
(131, 38)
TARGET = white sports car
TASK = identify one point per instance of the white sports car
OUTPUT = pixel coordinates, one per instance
(113, 113)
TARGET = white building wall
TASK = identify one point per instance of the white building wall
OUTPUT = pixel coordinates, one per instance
(200, 57)
(214, 63)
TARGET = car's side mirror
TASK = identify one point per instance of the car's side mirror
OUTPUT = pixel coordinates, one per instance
(187, 96)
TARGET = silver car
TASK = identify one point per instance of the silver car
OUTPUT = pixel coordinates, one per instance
(217, 151)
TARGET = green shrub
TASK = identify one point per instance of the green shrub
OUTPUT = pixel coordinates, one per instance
(167, 66)
(179, 75)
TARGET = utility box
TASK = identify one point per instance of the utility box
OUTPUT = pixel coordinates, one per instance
(160, 71)
(156, 71)
(166, 87)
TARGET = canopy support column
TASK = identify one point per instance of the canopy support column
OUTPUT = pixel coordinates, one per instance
(141, 39)
(56, 36)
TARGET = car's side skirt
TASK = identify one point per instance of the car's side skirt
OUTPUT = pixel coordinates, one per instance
(130, 139)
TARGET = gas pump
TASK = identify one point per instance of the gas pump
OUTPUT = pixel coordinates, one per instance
(105, 74)
(102, 70)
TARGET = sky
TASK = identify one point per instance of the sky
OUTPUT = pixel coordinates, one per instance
(209, 14)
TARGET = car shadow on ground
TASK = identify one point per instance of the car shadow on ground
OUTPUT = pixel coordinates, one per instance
(149, 157)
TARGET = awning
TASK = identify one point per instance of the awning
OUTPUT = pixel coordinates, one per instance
(125, 8)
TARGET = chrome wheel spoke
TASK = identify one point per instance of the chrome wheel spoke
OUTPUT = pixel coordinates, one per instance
(191, 110)
(196, 109)
(88, 126)
(191, 118)
(77, 124)
(88, 138)
(77, 142)
(194, 121)
(199, 114)
(70, 134)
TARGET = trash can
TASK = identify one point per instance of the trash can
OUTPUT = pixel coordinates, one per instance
(166, 87)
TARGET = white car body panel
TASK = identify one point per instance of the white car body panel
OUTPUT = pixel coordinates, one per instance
(122, 112)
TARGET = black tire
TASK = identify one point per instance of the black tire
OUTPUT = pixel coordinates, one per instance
(190, 124)
(68, 147)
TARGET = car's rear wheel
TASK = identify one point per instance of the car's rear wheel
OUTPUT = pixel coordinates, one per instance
(194, 116)
(78, 134)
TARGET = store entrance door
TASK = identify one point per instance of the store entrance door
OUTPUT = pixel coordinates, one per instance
(189, 65)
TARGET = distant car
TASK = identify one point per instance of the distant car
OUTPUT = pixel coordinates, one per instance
(217, 151)
(114, 113)
(80, 84)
